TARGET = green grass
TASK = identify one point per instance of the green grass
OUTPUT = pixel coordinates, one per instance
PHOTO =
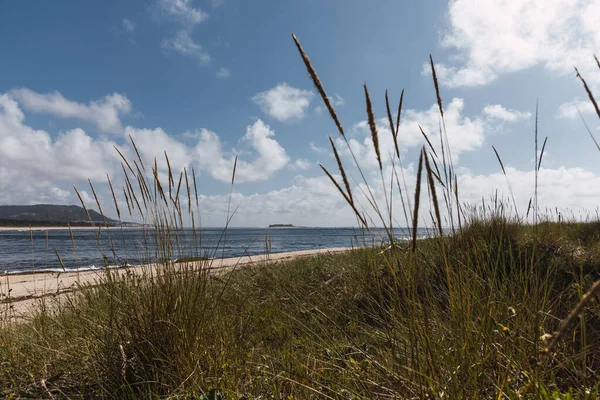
(495, 309)
(343, 325)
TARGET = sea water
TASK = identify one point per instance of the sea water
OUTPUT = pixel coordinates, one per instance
(28, 250)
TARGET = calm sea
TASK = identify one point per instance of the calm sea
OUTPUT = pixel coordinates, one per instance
(25, 251)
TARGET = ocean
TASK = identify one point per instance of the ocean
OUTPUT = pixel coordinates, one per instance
(39, 250)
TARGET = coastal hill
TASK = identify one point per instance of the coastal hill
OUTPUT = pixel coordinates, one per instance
(50, 215)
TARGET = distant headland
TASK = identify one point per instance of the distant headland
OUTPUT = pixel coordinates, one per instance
(52, 215)
(281, 226)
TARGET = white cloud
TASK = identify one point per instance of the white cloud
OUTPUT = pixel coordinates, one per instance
(496, 111)
(317, 149)
(186, 17)
(271, 156)
(59, 193)
(208, 153)
(574, 189)
(455, 77)
(35, 167)
(316, 202)
(306, 202)
(105, 113)
(128, 25)
(569, 109)
(492, 37)
(38, 167)
(223, 73)
(284, 102)
(464, 134)
(181, 11)
(302, 164)
(153, 143)
(183, 44)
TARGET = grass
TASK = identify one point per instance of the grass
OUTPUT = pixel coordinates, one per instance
(491, 307)
(341, 326)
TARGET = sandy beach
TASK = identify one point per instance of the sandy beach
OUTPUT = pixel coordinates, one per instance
(59, 228)
(21, 292)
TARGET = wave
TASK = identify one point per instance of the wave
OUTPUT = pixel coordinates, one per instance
(92, 267)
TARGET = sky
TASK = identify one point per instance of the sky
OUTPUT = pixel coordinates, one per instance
(209, 80)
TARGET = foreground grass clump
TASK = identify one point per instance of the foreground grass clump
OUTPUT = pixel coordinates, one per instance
(363, 324)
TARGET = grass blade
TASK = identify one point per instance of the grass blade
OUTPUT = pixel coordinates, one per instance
(339, 188)
(392, 129)
(399, 112)
(436, 206)
(373, 126)
(318, 85)
(417, 200)
(437, 86)
(342, 171)
(428, 142)
(542, 153)
(588, 91)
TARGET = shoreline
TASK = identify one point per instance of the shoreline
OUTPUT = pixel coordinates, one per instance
(21, 291)
(56, 228)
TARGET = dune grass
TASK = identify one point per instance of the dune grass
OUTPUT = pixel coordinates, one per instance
(491, 307)
(338, 326)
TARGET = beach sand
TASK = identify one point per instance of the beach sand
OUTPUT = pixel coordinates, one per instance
(21, 293)
(62, 228)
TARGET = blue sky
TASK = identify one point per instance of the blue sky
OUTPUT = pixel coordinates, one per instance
(208, 79)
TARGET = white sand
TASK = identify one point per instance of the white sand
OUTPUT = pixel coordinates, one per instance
(21, 292)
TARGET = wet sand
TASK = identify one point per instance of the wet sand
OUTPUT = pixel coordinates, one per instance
(19, 293)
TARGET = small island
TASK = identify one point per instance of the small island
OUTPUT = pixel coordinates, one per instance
(281, 226)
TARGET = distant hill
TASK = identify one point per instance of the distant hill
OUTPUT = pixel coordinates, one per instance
(50, 215)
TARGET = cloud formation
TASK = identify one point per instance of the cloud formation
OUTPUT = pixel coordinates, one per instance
(315, 201)
(128, 25)
(464, 133)
(271, 157)
(496, 111)
(492, 37)
(183, 44)
(302, 164)
(35, 167)
(573, 189)
(104, 114)
(572, 108)
(208, 154)
(284, 102)
(186, 17)
(181, 11)
(223, 73)
(38, 167)
(319, 150)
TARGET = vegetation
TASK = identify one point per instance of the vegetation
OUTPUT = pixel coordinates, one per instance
(51, 215)
(497, 308)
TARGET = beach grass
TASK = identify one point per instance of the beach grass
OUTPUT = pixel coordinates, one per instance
(493, 306)
(330, 326)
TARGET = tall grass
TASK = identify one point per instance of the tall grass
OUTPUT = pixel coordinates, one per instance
(490, 307)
